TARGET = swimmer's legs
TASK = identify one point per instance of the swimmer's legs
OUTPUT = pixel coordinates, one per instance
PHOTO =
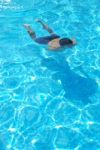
(45, 26)
(30, 31)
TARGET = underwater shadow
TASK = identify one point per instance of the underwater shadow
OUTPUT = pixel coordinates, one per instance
(75, 86)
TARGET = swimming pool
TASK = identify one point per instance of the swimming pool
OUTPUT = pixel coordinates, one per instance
(48, 100)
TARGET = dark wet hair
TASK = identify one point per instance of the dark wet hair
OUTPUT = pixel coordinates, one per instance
(65, 41)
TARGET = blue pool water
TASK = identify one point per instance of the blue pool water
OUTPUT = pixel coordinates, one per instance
(49, 100)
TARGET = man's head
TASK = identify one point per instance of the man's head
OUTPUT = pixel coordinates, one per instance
(67, 42)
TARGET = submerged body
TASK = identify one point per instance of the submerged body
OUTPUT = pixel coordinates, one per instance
(53, 41)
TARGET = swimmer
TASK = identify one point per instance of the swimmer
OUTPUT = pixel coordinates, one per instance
(53, 41)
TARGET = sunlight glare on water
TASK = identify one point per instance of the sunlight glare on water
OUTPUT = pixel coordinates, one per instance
(49, 100)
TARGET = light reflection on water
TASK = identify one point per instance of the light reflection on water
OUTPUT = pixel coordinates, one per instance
(47, 98)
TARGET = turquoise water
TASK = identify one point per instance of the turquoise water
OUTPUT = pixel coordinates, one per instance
(49, 100)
